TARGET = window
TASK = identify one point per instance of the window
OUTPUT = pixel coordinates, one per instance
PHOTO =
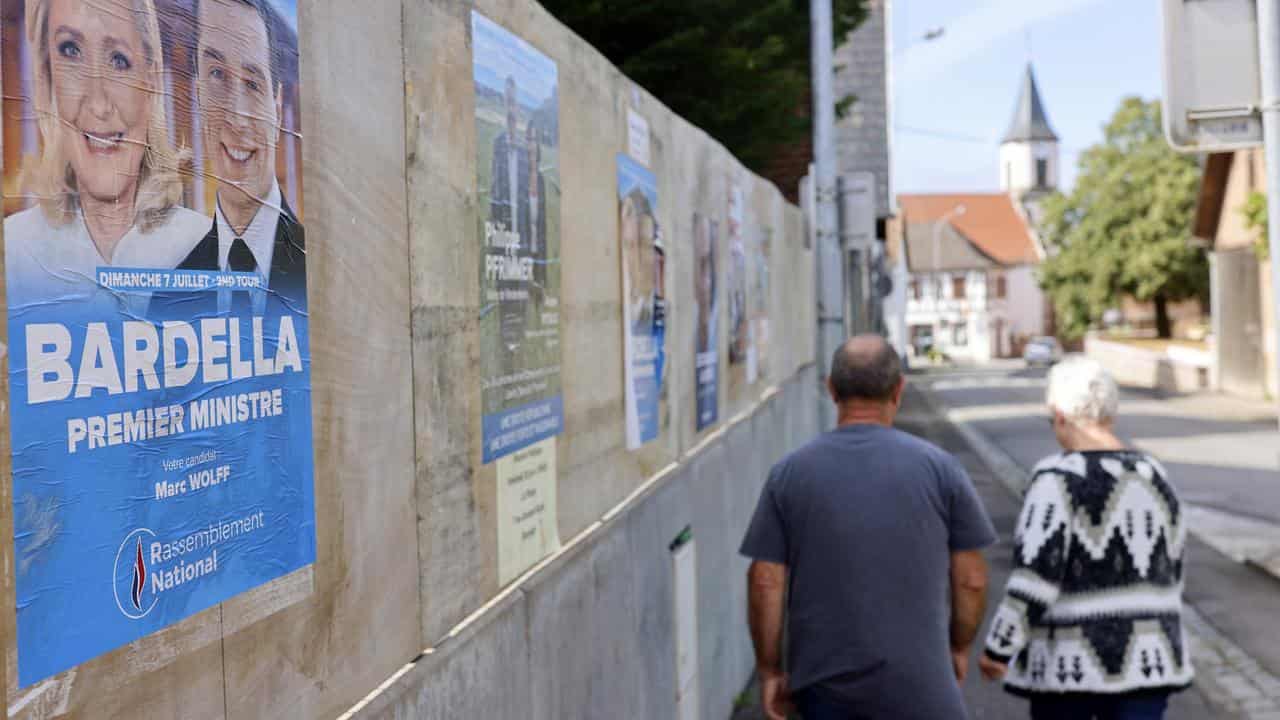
(959, 336)
(916, 290)
(957, 287)
(1001, 287)
(939, 289)
(1042, 172)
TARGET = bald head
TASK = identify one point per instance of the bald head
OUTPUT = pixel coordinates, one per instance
(865, 367)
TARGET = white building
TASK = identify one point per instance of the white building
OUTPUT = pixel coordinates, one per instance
(966, 261)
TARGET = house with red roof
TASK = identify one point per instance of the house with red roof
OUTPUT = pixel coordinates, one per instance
(966, 262)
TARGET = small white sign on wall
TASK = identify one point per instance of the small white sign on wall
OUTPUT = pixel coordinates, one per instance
(527, 530)
(685, 570)
(637, 137)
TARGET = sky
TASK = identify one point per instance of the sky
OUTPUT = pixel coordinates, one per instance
(500, 54)
(954, 96)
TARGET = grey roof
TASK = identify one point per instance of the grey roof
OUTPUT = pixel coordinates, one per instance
(954, 250)
(1029, 119)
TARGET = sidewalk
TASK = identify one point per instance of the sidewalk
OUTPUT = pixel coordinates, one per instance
(985, 700)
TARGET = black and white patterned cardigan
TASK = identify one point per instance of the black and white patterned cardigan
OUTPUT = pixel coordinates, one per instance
(1094, 603)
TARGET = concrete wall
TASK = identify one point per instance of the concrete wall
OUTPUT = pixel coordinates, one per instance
(1241, 286)
(591, 634)
(1237, 322)
(1025, 301)
(1175, 369)
(405, 509)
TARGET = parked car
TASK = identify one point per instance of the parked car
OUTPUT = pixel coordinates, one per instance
(1042, 351)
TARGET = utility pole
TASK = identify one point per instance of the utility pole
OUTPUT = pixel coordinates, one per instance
(828, 254)
(1269, 66)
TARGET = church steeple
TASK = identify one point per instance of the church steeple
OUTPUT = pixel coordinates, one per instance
(1029, 119)
(1029, 150)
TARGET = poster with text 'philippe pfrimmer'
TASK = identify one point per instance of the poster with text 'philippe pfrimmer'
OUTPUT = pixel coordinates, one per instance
(155, 267)
(518, 183)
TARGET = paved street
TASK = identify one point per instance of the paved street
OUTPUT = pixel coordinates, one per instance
(1222, 453)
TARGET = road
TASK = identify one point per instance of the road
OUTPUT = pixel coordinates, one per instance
(1222, 453)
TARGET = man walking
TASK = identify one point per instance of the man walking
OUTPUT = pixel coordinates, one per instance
(865, 532)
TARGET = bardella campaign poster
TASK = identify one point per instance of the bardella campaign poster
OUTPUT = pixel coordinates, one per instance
(155, 265)
(644, 307)
(518, 169)
(706, 349)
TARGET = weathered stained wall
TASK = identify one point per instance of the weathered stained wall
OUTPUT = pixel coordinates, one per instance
(405, 509)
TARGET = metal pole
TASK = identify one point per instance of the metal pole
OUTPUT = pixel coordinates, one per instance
(830, 270)
(1269, 62)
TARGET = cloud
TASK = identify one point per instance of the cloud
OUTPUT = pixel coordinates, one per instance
(976, 31)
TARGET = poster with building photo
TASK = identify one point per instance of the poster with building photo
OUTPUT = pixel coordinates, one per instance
(644, 306)
(156, 286)
(741, 346)
(518, 186)
(706, 320)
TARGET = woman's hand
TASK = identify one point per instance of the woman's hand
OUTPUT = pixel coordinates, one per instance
(991, 669)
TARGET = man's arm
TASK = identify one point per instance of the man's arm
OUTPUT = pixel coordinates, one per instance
(766, 587)
(968, 603)
(766, 593)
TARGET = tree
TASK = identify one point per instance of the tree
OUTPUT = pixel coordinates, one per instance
(738, 69)
(1125, 229)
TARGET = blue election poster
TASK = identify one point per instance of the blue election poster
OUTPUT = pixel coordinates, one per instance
(644, 316)
(706, 349)
(156, 289)
(518, 183)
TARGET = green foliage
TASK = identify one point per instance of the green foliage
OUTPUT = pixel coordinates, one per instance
(738, 69)
(1254, 211)
(1125, 229)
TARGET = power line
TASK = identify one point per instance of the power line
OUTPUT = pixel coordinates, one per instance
(960, 137)
(943, 134)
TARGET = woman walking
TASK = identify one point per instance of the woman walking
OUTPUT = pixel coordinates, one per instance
(1091, 622)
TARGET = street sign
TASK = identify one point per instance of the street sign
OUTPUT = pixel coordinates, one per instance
(1211, 81)
(858, 210)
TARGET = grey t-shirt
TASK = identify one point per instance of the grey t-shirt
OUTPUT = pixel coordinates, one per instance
(865, 518)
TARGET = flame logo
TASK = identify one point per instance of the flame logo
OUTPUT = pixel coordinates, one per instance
(139, 577)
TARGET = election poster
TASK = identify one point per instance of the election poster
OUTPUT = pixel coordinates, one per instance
(644, 306)
(762, 250)
(155, 267)
(518, 186)
(526, 507)
(706, 348)
(741, 345)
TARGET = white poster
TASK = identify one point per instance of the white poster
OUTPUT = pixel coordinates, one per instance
(526, 508)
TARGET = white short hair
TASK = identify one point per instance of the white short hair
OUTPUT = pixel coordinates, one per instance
(1081, 389)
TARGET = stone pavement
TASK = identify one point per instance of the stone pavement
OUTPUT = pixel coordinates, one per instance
(988, 701)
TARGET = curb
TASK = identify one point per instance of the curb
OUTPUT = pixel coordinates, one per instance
(1007, 470)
